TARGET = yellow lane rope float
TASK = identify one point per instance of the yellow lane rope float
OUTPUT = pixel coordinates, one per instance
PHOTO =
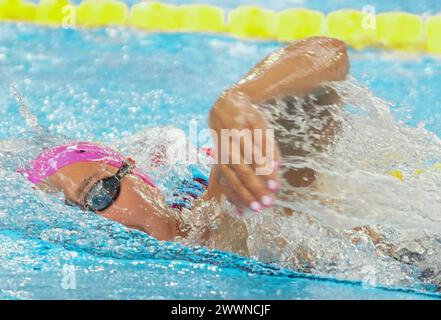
(392, 30)
(401, 176)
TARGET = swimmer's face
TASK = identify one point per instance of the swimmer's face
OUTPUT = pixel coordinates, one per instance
(138, 205)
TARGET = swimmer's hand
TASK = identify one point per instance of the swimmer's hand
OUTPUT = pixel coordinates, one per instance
(246, 154)
(291, 71)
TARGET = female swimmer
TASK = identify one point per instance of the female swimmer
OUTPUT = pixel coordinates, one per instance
(98, 179)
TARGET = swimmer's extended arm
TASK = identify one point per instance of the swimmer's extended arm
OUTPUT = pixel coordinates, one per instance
(295, 70)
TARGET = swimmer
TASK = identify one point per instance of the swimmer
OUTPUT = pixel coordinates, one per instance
(97, 179)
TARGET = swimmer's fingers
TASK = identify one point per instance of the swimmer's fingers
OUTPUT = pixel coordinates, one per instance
(239, 160)
(233, 197)
(261, 180)
(233, 188)
(256, 186)
(253, 146)
(267, 159)
(239, 154)
(266, 153)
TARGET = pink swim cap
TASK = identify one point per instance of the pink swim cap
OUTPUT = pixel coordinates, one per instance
(53, 159)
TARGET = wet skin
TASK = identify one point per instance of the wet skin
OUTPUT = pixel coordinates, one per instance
(138, 205)
(296, 70)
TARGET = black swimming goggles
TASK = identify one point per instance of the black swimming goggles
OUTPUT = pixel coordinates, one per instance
(106, 191)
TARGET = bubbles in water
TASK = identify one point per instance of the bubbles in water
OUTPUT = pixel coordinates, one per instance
(353, 222)
(350, 218)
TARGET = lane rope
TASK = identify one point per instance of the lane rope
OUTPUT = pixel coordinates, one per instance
(391, 30)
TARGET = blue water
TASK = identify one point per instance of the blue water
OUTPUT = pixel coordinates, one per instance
(107, 84)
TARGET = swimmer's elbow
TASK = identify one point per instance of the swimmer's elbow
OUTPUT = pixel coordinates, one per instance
(330, 44)
(342, 64)
(337, 53)
(330, 54)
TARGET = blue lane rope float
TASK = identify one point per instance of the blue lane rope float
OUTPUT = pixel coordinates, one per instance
(392, 30)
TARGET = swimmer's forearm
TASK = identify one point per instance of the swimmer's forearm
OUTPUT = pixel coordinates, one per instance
(295, 70)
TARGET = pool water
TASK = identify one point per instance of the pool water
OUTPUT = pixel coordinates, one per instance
(111, 84)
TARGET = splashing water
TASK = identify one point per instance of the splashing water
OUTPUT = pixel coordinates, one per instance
(355, 222)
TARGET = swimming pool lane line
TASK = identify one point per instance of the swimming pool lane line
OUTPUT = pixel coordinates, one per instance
(359, 28)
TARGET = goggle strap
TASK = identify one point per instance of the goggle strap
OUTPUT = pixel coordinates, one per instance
(125, 169)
